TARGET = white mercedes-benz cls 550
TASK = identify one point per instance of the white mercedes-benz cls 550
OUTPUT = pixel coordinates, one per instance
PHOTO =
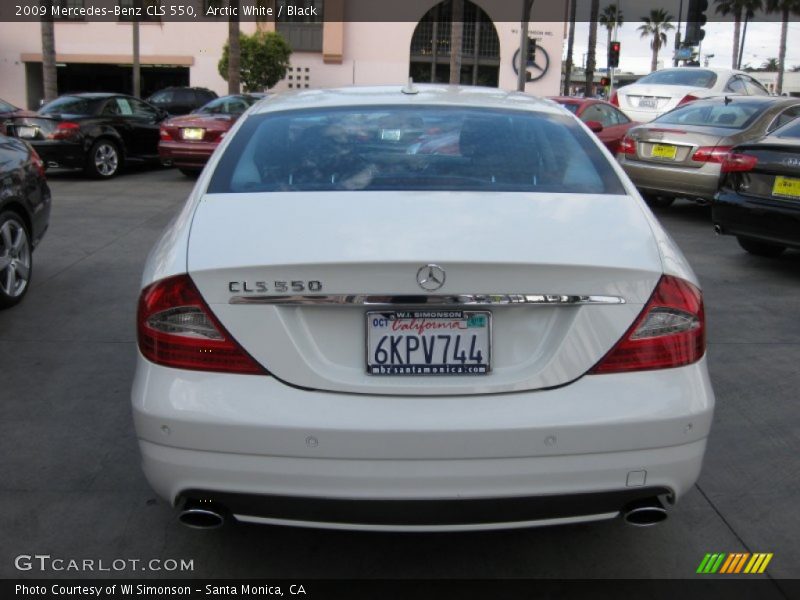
(418, 308)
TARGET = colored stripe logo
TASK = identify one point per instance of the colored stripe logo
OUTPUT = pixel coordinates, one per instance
(734, 563)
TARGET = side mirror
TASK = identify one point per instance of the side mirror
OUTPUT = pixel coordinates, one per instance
(595, 126)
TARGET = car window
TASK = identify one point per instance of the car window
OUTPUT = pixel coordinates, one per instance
(607, 115)
(124, 106)
(142, 109)
(736, 85)
(570, 106)
(594, 112)
(622, 119)
(227, 105)
(684, 76)
(111, 108)
(6, 107)
(70, 105)
(732, 115)
(163, 96)
(790, 130)
(184, 97)
(754, 88)
(413, 148)
(788, 115)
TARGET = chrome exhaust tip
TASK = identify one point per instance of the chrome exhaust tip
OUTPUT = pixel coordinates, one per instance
(197, 515)
(645, 513)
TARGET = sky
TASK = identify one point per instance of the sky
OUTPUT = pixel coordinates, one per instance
(762, 42)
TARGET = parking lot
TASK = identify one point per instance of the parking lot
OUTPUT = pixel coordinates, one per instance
(72, 487)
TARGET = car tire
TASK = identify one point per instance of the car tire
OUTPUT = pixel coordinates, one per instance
(16, 259)
(658, 201)
(760, 248)
(193, 173)
(104, 160)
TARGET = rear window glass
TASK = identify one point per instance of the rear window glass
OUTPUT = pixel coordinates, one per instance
(70, 105)
(735, 115)
(413, 148)
(6, 107)
(228, 105)
(686, 76)
(570, 106)
(790, 130)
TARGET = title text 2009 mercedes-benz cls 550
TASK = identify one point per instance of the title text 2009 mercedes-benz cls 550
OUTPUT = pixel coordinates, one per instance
(419, 308)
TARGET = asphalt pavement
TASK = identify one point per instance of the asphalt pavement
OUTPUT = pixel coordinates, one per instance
(71, 486)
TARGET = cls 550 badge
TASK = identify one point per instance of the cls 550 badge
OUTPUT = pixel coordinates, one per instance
(280, 287)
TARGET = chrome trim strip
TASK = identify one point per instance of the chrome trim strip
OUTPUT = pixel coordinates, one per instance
(430, 300)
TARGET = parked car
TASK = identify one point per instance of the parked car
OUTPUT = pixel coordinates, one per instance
(680, 153)
(759, 197)
(24, 216)
(97, 132)
(663, 90)
(607, 121)
(7, 113)
(342, 333)
(181, 100)
(187, 142)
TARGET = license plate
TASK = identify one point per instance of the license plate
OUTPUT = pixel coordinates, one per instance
(26, 132)
(426, 342)
(786, 187)
(192, 133)
(648, 103)
(664, 151)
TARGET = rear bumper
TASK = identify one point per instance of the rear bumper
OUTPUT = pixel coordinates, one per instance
(691, 183)
(254, 437)
(641, 116)
(61, 154)
(186, 154)
(771, 221)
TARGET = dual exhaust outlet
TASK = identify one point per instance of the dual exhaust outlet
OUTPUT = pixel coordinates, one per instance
(198, 514)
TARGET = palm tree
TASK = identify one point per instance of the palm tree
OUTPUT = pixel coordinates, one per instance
(771, 65)
(750, 8)
(456, 40)
(234, 49)
(785, 8)
(49, 75)
(737, 8)
(610, 17)
(570, 46)
(592, 50)
(656, 25)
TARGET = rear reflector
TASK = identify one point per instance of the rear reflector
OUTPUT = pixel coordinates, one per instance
(711, 154)
(627, 146)
(669, 332)
(177, 329)
(735, 163)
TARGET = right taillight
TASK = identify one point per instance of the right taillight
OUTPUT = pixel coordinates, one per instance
(176, 329)
(669, 332)
(164, 134)
(687, 98)
(65, 130)
(627, 146)
(738, 163)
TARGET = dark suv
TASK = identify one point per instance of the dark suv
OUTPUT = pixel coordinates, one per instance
(181, 100)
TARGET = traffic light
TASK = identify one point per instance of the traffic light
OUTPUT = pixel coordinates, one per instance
(695, 20)
(613, 54)
(531, 51)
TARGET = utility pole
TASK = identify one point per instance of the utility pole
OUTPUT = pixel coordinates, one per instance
(522, 75)
(137, 80)
(677, 36)
(610, 68)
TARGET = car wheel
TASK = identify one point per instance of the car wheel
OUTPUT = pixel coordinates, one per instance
(658, 201)
(16, 259)
(104, 159)
(760, 248)
(193, 173)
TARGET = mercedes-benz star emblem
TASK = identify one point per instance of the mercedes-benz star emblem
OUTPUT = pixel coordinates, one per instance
(430, 277)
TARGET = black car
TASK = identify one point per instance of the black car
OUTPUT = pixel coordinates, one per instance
(181, 100)
(24, 216)
(759, 196)
(97, 132)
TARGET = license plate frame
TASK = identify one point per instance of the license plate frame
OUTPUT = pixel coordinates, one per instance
(786, 187)
(664, 151)
(414, 323)
(193, 134)
(648, 102)
(27, 132)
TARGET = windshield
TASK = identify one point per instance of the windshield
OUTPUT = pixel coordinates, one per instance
(227, 105)
(6, 107)
(685, 76)
(70, 105)
(419, 148)
(738, 114)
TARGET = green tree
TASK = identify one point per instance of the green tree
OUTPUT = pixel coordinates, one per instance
(786, 8)
(737, 8)
(610, 17)
(771, 65)
(263, 62)
(656, 25)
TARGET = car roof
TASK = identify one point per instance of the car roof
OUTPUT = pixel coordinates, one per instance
(425, 94)
(733, 99)
(93, 95)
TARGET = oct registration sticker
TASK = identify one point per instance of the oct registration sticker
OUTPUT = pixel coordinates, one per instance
(429, 342)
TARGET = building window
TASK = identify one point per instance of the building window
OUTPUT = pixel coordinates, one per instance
(141, 10)
(303, 32)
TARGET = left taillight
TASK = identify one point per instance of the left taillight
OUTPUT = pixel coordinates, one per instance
(627, 146)
(669, 332)
(711, 154)
(164, 134)
(37, 162)
(176, 328)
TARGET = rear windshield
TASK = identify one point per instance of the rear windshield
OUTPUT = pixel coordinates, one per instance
(738, 114)
(6, 107)
(228, 105)
(570, 106)
(686, 76)
(413, 148)
(790, 130)
(70, 105)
